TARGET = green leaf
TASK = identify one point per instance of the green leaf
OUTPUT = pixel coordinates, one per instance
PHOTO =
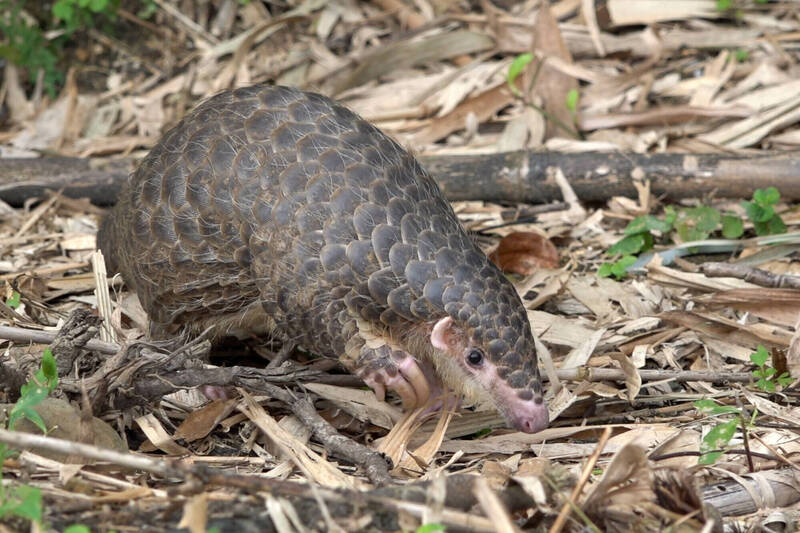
(430, 528)
(23, 501)
(670, 215)
(757, 212)
(688, 232)
(768, 196)
(515, 69)
(710, 407)
(24, 409)
(97, 6)
(732, 227)
(742, 55)
(765, 385)
(32, 393)
(762, 228)
(605, 270)
(723, 5)
(704, 404)
(775, 225)
(706, 219)
(572, 100)
(63, 10)
(647, 223)
(784, 379)
(709, 458)
(620, 268)
(719, 436)
(760, 356)
(13, 301)
(631, 244)
(49, 369)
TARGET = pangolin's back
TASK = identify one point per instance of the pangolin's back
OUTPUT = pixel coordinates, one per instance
(271, 196)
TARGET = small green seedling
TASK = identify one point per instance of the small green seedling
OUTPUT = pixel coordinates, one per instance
(691, 224)
(25, 501)
(515, 69)
(13, 301)
(714, 443)
(75, 14)
(618, 269)
(766, 376)
(761, 212)
(742, 55)
(572, 100)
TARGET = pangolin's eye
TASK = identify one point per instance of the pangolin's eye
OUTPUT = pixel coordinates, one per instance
(475, 357)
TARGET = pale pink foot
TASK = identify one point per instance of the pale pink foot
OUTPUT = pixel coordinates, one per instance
(383, 368)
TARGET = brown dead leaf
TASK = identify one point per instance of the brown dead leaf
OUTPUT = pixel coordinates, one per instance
(481, 106)
(551, 85)
(405, 53)
(524, 252)
(63, 421)
(201, 422)
(660, 116)
(781, 306)
(633, 380)
(195, 514)
(626, 483)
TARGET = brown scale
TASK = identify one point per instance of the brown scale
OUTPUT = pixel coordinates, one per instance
(268, 209)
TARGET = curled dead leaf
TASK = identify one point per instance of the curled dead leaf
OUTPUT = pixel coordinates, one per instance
(524, 252)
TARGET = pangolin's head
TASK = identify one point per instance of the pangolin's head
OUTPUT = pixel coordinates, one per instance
(487, 342)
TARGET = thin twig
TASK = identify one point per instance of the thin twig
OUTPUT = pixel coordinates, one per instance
(585, 475)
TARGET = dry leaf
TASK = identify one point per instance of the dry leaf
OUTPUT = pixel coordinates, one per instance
(524, 252)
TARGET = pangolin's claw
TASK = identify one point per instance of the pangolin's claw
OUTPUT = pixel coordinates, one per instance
(409, 368)
(399, 372)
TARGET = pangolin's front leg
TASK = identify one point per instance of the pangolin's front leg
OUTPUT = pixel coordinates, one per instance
(383, 364)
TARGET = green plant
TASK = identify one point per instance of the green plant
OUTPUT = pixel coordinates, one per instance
(618, 268)
(23, 33)
(692, 224)
(25, 501)
(516, 68)
(766, 375)
(25, 45)
(76, 14)
(717, 439)
(572, 100)
(761, 212)
(13, 301)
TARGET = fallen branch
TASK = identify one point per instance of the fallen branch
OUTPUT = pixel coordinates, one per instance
(380, 501)
(502, 177)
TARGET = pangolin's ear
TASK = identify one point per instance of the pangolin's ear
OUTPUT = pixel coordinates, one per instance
(442, 334)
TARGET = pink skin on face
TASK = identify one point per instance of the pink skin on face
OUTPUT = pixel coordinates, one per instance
(528, 416)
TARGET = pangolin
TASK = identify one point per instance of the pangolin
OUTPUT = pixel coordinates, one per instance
(269, 210)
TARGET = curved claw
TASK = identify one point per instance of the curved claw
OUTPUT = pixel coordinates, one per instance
(416, 379)
(405, 390)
